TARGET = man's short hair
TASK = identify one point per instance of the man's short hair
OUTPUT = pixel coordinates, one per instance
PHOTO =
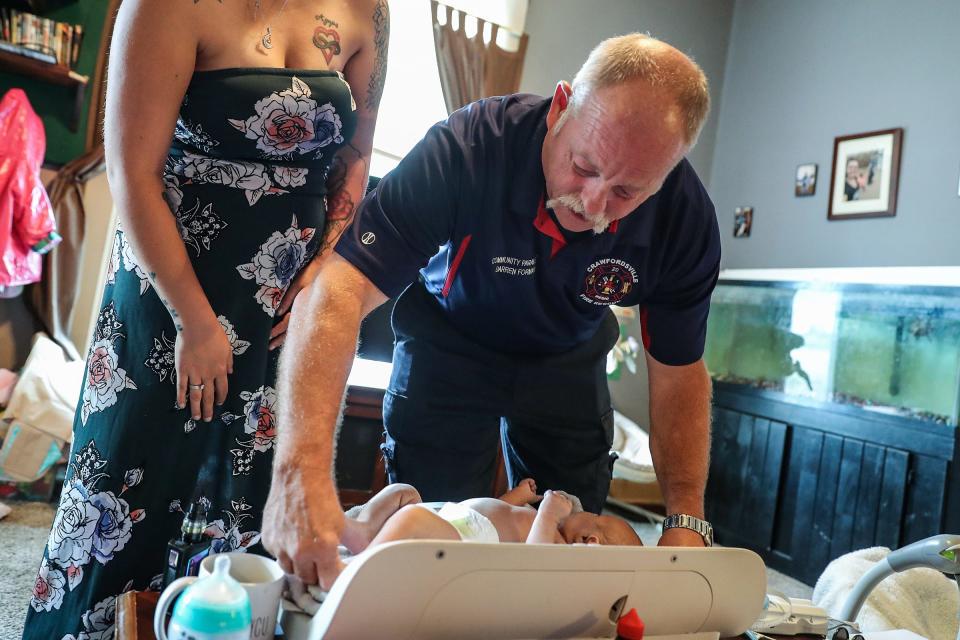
(639, 57)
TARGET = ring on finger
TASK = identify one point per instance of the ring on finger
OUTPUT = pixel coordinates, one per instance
(197, 387)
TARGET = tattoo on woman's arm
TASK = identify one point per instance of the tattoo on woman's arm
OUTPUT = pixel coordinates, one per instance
(381, 38)
(173, 312)
(340, 204)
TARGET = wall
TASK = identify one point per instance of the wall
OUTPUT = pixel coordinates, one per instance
(800, 74)
(563, 32)
(53, 103)
(98, 234)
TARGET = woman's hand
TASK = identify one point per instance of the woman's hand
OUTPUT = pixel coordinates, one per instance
(203, 359)
(302, 280)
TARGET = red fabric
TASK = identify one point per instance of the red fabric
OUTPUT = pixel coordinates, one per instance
(630, 626)
(452, 273)
(644, 331)
(546, 225)
(27, 228)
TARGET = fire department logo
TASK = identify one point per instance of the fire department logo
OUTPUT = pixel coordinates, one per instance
(608, 281)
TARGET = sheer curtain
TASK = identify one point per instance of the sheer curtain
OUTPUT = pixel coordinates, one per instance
(473, 65)
(412, 97)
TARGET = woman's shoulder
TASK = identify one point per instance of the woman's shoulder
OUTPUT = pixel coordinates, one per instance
(373, 16)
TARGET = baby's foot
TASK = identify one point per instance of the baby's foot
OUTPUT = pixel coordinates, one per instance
(356, 536)
(363, 523)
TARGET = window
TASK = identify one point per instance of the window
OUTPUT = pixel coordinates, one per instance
(412, 98)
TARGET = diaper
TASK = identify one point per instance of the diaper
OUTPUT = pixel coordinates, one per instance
(471, 525)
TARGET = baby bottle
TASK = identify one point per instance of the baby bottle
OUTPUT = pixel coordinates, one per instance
(212, 607)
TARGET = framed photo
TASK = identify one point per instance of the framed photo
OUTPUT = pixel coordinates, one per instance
(742, 221)
(865, 174)
(806, 184)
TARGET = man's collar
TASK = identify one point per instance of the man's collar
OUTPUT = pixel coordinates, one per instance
(548, 226)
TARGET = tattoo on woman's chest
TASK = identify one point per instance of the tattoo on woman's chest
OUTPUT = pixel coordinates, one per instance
(326, 37)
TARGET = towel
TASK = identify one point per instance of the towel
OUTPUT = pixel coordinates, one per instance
(920, 600)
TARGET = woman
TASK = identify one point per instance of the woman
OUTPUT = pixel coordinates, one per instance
(270, 106)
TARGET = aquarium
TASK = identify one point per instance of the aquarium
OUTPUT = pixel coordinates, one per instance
(889, 348)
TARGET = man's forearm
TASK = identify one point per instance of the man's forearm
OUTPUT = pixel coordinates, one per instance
(680, 435)
(316, 361)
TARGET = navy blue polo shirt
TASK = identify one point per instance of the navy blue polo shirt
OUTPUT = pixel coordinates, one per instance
(464, 209)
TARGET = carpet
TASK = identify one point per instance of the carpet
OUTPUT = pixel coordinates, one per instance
(22, 536)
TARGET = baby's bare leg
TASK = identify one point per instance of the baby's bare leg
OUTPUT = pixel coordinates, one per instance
(359, 531)
(415, 523)
(524, 493)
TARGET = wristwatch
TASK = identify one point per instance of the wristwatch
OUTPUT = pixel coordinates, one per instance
(684, 521)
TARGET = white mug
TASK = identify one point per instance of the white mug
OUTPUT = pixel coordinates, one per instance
(262, 579)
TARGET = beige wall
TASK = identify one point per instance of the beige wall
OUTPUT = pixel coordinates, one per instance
(97, 244)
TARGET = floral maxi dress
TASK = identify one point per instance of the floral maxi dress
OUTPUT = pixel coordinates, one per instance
(245, 179)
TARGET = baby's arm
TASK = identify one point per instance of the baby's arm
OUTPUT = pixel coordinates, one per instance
(546, 525)
(524, 493)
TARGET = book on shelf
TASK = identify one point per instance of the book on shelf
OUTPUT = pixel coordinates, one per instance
(40, 38)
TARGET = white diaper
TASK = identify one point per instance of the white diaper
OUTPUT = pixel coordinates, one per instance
(472, 525)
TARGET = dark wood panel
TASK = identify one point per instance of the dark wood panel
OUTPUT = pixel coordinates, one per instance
(750, 520)
(723, 462)
(833, 482)
(951, 516)
(925, 499)
(787, 494)
(824, 510)
(892, 489)
(868, 498)
(848, 488)
(743, 443)
(766, 492)
(930, 439)
(724, 469)
(810, 444)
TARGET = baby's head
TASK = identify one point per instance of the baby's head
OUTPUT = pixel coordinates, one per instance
(589, 528)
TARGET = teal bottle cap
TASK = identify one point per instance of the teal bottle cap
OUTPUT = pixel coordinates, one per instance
(215, 603)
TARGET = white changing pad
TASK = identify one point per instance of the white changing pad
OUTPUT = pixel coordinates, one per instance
(424, 589)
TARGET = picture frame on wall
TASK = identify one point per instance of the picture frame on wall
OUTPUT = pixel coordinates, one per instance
(742, 221)
(806, 180)
(865, 175)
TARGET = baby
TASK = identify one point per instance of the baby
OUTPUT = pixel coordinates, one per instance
(396, 514)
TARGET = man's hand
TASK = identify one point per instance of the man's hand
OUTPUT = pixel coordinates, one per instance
(302, 522)
(680, 537)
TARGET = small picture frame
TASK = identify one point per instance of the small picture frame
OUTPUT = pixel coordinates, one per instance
(865, 175)
(742, 221)
(806, 180)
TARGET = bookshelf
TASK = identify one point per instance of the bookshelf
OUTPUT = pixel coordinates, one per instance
(51, 73)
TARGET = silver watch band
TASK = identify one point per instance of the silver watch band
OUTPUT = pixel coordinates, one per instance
(685, 521)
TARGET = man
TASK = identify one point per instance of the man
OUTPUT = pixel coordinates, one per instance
(523, 219)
